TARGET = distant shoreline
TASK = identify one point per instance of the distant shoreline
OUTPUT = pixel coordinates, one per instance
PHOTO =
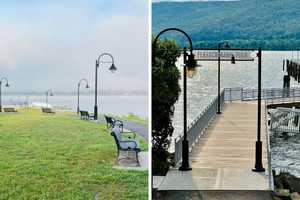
(73, 94)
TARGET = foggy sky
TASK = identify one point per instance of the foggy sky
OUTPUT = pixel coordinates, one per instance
(53, 44)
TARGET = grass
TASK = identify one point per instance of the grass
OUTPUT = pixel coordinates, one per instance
(44, 156)
(130, 117)
(135, 118)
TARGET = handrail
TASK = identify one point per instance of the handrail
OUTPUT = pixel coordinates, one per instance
(197, 126)
(285, 120)
(271, 180)
(246, 94)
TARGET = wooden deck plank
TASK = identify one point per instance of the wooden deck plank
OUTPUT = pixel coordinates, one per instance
(224, 156)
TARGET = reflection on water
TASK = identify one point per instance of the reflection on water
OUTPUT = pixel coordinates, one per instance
(119, 105)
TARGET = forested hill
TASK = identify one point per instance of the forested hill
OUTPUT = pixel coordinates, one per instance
(272, 24)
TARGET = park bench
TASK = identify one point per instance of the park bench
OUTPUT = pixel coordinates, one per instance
(47, 110)
(125, 145)
(10, 110)
(112, 122)
(85, 115)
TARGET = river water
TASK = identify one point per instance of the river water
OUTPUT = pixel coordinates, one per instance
(202, 88)
(115, 104)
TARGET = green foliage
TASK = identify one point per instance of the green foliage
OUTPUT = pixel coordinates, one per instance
(165, 93)
(61, 157)
(271, 24)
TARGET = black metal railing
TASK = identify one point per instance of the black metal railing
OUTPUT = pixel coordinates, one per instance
(197, 127)
(245, 94)
(285, 120)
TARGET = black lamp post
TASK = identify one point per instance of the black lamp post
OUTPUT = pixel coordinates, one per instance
(189, 65)
(112, 68)
(82, 81)
(48, 93)
(258, 145)
(219, 72)
(6, 85)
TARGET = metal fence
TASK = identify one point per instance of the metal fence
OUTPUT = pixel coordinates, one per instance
(285, 120)
(196, 128)
(245, 94)
(271, 180)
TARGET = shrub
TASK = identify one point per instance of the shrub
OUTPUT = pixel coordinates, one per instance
(165, 93)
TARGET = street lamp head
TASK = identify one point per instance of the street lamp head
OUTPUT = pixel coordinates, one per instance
(191, 72)
(51, 94)
(87, 86)
(232, 59)
(191, 62)
(7, 85)
(113, 68)
(191, 66)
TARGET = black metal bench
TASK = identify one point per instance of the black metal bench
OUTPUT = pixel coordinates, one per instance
(47, 110)
(10, 110)
(112, 122)
(125, 145)
(85, 115)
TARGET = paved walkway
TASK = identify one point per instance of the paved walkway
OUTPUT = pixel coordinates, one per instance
(139, 128)
(127, 161)
(225, 154)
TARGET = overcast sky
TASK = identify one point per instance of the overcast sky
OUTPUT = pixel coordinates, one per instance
(54, 43)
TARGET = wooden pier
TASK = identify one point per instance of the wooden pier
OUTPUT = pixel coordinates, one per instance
(223, 158)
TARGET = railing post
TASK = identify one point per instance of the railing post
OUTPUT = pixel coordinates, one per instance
(242, 94)
(293, 94)
(230, 94)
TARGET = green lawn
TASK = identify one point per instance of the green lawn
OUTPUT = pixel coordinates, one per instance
(44, 156)
(130, 117)
(135, 118)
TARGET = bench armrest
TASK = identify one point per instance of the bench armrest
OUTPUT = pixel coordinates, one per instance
(119, 121)
(130, 141)
(134, 133)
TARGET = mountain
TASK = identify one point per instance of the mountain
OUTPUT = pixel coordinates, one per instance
(271, 24)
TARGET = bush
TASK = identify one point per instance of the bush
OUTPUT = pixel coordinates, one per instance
(165, 93)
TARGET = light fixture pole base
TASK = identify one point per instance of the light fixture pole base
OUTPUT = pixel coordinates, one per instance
(95, 113)
(219, 112)
(258, 158)
(185, 166)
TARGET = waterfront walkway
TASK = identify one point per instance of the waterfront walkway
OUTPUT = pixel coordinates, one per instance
(223, 158)
(139, 128)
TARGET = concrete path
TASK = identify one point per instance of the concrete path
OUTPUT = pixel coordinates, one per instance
(225, 154)
(212, 195)
(139, 128)
(127, 161)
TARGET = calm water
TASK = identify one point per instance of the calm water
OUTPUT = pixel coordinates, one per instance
(203, 88)
(119, 105)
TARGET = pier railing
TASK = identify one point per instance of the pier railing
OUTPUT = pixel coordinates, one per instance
(285, 120)
(270, 94)
(271, 180)
(197, 127)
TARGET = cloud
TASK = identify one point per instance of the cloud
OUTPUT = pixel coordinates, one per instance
(59, 47)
